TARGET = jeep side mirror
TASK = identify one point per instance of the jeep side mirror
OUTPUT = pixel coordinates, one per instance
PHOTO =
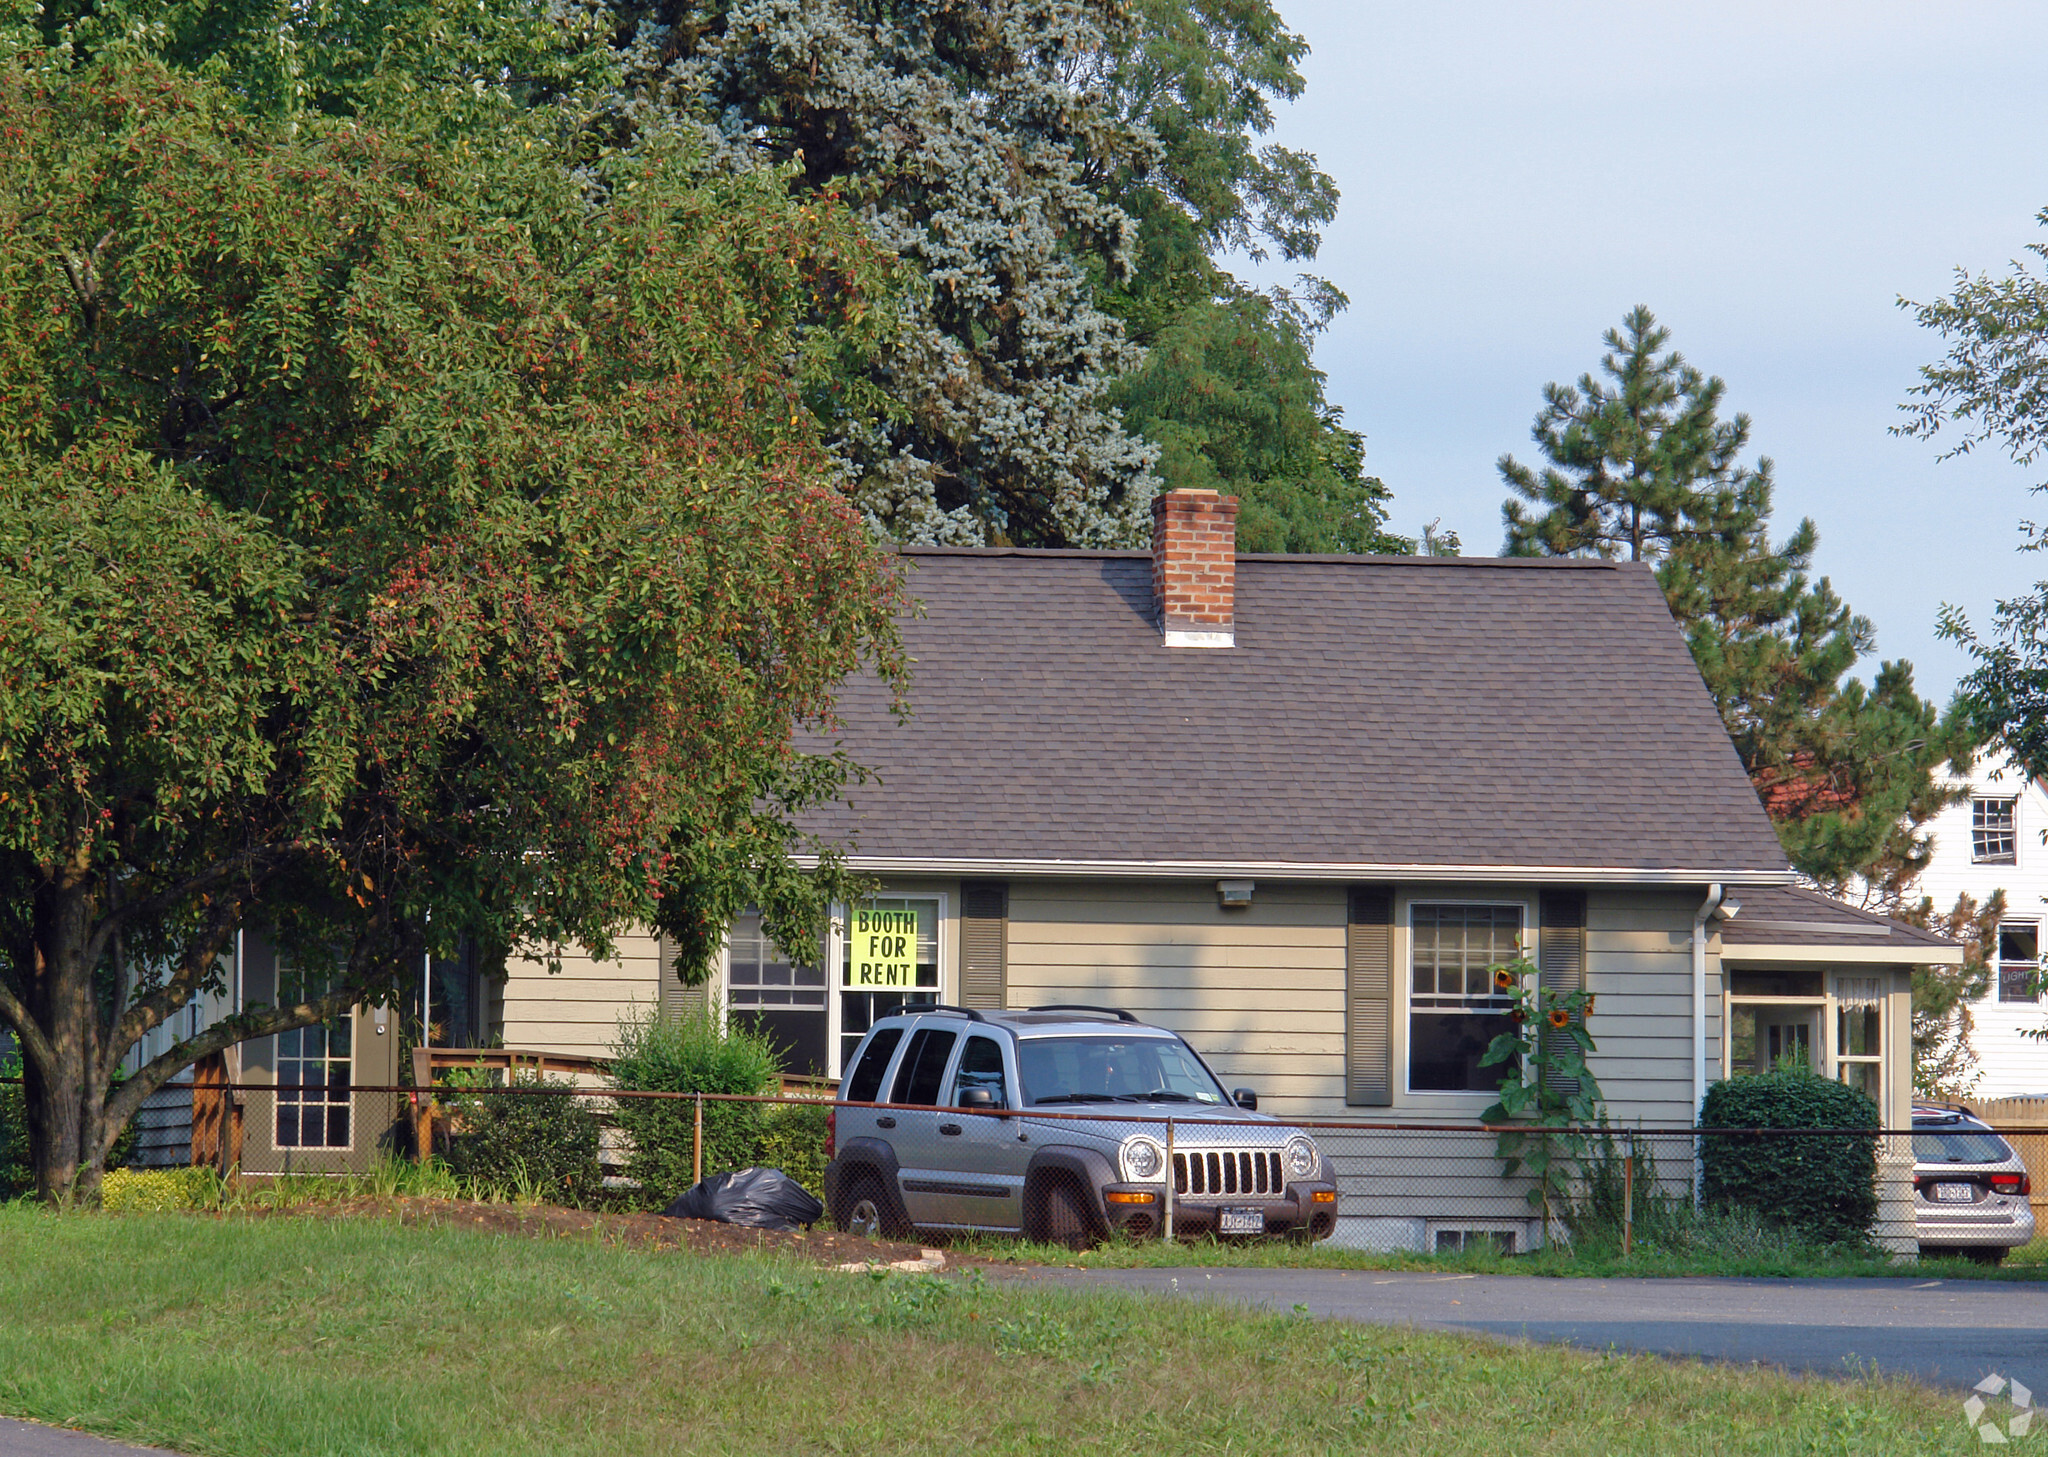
(1245, 1098)
(977, 1098)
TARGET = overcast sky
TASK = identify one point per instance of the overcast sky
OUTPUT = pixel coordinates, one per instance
(1769, 179)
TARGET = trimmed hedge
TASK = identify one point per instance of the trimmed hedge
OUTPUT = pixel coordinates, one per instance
(1823, 1187)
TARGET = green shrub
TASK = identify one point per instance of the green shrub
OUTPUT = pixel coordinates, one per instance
(694, 1053)
(159, 1191)
(1823, 1187)
(793, 1140)
(537, 1143)
(17, 1174)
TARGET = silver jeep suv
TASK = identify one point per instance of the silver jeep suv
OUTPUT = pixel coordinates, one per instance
(1053, 1122)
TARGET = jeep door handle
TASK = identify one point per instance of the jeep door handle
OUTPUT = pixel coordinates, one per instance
(949, 1129)
(885, 1123)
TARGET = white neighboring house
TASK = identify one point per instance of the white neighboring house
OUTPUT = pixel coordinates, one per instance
(1993, 841)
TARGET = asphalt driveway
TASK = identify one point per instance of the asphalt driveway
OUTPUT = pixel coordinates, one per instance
(1947, 1332)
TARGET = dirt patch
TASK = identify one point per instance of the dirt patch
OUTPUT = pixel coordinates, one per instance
(641, 1231)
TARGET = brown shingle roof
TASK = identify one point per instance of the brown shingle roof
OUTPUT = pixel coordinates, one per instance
(1375, 711)
(1790, 915)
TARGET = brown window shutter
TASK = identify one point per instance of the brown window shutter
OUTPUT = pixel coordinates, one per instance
(677, 1000)
(1561, 953)
(1369, 998)
(984, 943)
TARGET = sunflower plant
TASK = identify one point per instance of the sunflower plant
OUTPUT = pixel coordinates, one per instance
(1548, 1095)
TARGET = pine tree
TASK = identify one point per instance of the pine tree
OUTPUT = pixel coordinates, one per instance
(1640, 465)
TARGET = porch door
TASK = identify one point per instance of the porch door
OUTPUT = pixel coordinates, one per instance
(772, 995)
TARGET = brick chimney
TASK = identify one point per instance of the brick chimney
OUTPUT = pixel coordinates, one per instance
(1194, 568)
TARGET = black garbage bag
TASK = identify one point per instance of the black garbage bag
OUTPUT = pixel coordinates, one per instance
(762, 1198)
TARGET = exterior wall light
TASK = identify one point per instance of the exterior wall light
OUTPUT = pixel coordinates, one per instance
(1234, 894)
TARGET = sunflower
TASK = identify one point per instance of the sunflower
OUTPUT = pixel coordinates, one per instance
(1518, 1016)
(1559, 1017)
(1503, 979)
(1589, 1006)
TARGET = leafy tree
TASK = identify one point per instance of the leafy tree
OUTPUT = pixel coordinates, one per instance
(1228, 389)
(1992, 386)
(1641, 466)
(1944, 1057)
(396, 523)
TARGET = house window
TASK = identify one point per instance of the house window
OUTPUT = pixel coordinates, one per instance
(1454, 1009)
(1994, 833)
(775, 996)
(1859, 1034)
(1774, 1020)
(313, 1067)
(890, 956)
(2019, 961)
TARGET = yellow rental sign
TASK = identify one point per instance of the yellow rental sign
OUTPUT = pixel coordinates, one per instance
(882, 951)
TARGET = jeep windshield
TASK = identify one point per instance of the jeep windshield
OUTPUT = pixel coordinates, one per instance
(1113, 1070)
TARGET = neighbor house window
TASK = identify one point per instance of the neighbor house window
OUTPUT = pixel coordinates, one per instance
(1994, 837)
(1454, 1009)
(2019, 961)
(313, 1067)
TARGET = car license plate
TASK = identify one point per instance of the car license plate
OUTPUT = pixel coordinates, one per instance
(1955, 1193)
(1240, 1221)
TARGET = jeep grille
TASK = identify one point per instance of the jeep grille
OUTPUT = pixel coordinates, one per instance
(1228, 1171)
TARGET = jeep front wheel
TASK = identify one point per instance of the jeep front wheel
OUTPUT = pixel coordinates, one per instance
(1061, 1218)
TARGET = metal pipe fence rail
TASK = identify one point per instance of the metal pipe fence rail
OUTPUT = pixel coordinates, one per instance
(1400, 1184)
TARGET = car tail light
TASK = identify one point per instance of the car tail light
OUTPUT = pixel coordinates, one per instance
(832, 1134)
(2011, 1184)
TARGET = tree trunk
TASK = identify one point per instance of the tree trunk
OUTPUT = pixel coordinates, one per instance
(64, 1085)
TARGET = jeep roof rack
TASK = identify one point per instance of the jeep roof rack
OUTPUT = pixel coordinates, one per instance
(1117, 1012)
(968, 1012)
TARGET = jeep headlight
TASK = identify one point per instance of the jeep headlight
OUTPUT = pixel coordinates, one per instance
(1143, 1159)
(1300, 1157)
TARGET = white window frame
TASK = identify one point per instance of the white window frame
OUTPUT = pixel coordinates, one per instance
(1837, 1058)
(1404, 1023)
(835, 957)
(1977, 803)
(1999, 964)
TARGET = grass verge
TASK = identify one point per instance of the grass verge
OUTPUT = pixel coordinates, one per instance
(310, 1335)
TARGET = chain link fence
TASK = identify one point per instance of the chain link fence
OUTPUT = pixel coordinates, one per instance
(1076, 1174)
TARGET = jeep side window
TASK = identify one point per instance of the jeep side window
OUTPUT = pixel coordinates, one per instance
(981, 1066)
(865, 1085)
(924, 1066)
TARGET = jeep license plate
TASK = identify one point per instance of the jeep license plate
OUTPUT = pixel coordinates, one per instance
(1240, 1221)
(1955, 1193)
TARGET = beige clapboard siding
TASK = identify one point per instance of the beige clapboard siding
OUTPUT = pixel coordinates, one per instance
(578, 1010)
(1259, 992)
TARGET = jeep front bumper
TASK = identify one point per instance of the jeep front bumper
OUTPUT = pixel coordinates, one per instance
(1140, 1210)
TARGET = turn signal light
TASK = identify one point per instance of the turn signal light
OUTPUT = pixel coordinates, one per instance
(2012, 1183)
(1123, 1196)
(1323, 1196)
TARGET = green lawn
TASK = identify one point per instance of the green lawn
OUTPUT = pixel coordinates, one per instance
(305, 1334)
